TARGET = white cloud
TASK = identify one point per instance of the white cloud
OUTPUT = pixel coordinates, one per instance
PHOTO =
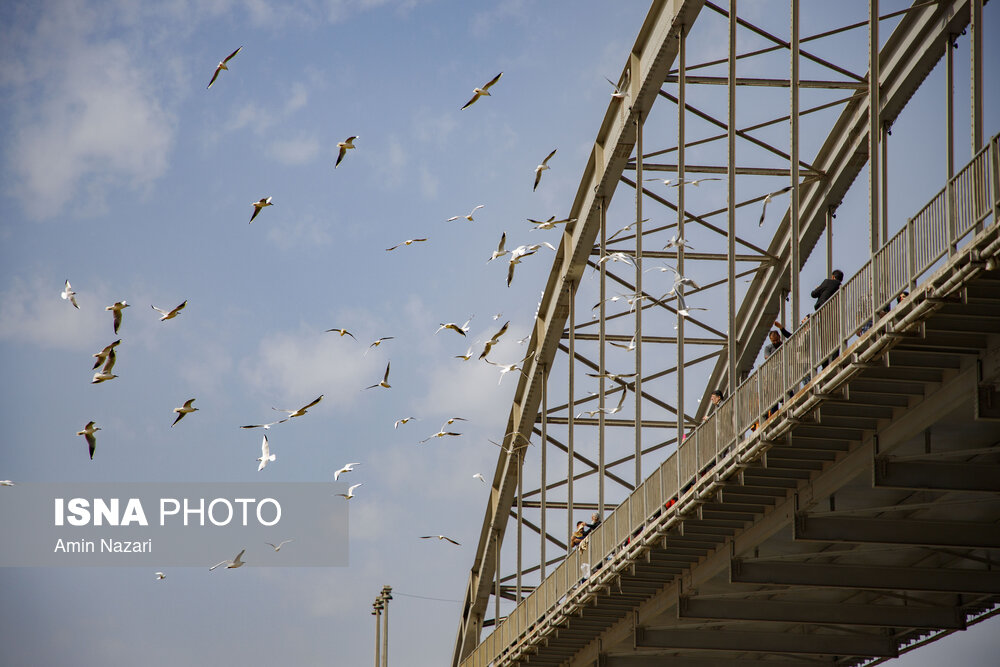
(32, 312)
(300, 150)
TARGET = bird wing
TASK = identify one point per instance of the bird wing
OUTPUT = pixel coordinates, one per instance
(320, 398)
(538, 179)
(91, 444)
(450, 540)
(548, 157)
(340, 156)
(187, 403)
(232, 55)
(350, 489)
(469, 103)
(180, 416)
(393, 247)
(492, 81)
(109, 361)
(386, 377)
(265, 449)
(117, 319)
(225, 562)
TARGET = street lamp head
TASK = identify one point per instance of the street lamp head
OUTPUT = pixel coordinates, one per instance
(387, 593)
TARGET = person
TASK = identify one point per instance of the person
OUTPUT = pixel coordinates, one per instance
(775, 339)
(578, 534)
(715, 399)
(827, 288)
(595, 521)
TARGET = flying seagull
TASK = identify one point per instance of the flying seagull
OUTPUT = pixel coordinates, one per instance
(480, 477)
(68, 293)
(222, 66)
(342, 332)
(402, 421)
(171, 314)
(767, 199)
(485, 90)
(377, 343)
(467, 217)
(507, 368)
(102, 356)
(440, 537)
(258, 206)
(105, 373)
(440, 434)
(494, 340)
(677, 242)
(88, 433)
(385, 379)
(265, 426)
(6, 482)
(350, 491)
(452, 420)
(344, 146)
(406, 242)
(550, 223)
(301, 411)
(520, 252)
(542, 167)
(231, 564)
(347, 468)
(619, 88)
(673, 183)
(183, 410)
(464, 329)
(116, 312)
(280, 544)
(500, 251)
(160, 575)
(265, 456)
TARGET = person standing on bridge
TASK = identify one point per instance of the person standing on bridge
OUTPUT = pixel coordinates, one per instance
(827, 288)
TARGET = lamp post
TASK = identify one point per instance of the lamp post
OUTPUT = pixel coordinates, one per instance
(377, 607)
(385, 597)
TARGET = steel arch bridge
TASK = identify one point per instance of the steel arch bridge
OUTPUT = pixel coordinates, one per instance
(841, 505)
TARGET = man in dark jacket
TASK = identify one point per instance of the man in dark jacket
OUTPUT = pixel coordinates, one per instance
(827, 288)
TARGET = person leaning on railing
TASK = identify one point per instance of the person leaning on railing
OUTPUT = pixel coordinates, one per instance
(822, 294)
(715, 399)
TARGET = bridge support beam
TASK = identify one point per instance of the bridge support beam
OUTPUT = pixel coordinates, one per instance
(961, 534)
(937, 476)
(768, 642)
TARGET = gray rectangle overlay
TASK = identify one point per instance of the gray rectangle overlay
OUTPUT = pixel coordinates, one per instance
(180, 524)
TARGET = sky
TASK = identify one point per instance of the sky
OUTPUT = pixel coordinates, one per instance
(122, 173)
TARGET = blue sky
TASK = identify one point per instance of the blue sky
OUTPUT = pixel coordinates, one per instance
(123, 174)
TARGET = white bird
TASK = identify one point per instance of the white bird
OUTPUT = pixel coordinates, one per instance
(500, 251)
(116, 312)
(265, 455)
(169, 314)
(88, 432)
(683, 309)
(6, 482)
(350, 491)
(301, 411)
(626, 228)
(541, 225)
(440, 537)
(673, 183)
(68, 293)
(468, 353)
(485, 90)
(494, 340)
(619, 88)
(467, 217)
(520, 252)
(379, 342)
(507, 368)
(497, 316)
(265, 426)
(105, 373)
(629, 347)
(184, 410)
(347, 468)
(676, 242)
(103, 355)
(464, 329)
(258, 206)
(452, 420)
(344, 146)
(231, 564)
(440, 434)
(542, 167)
(480, 477)
(385, 379)
(614, 377)
(277, 547)
(402, 421)
(406, 242)
(342, 332)
(767, 199)
(222, 66)
(160, 575)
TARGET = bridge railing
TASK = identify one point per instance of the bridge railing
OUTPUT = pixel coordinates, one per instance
(970, 199)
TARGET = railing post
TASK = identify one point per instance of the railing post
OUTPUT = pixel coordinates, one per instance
(995, 151)
(911, 255)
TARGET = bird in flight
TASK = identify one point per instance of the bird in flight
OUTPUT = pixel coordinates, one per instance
(105, 373)
(767, 199)
(377, 343)
(402, 421)
(406, 242)
(494, 340)
(464, 329)
(265, 456)
(385, 379)
(347, 468)
(500, 251)
(629, 347)
(102, 356)
(342, 332)
(301, 411)
(350, 491)
(542, 167)
(258, 206)
(549, 224)
(265, 426)
(231, 564)
(184, 410)
(344, 146)
(440, 537)
(452, 420)
(677, 242)
(69, 294)
(467, 217)
(485, 90)
(160, 575)
(480, 477)
(277, 547)
(683, 309)
(619, 92)
(507, 368)
(116, 312)
(88, 432)
(520, 252)
(440, 434)
(171, 314)
(222, 66)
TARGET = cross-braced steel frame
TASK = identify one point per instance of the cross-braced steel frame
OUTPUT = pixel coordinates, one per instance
(617, 349)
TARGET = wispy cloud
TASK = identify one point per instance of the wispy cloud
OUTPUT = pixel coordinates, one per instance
(296, 151)
(31, 312)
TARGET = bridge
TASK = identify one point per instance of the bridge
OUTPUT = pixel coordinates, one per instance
(841, 505)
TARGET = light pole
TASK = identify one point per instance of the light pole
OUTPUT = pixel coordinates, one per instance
(386, 596)
(377, 613)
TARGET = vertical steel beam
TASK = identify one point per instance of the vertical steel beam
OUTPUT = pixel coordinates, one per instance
(884, 175)
(496, 590)
(386, 596)
(794, 151)
(874, 126)
(829, 243)
(949, 119)
(638, 302)
(377, 613)
(571, 406)
(601, 361)
(545, 447)
(681, 102)
(731, 198)
(976, 74)
(520, 521)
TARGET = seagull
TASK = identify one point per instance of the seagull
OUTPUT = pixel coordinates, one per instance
(485, 90)
(68, 293)
(406, 242)
(116, 310)
(683, 309)
(494, 340)
(6, 482)
(222, 66)
(673, 183)
(377, 343)
(344, 146)
(385, 379)
(265, 454)
(621, 402)
(520, 252)
(258, 206)
(342, 332)
(169, 315)
(468, 353)
(105, 373)
(183, 410)
(500, 251)
(440, 434)
(619, 88)
(231, 564)
(350, 491)
(678, 279)
(614, 377)
(88, 433)
(626, 228)
(551, 223)
(464, 329)
(160, 575)
(347, 468)
(676, 242)
(497, 316)
(467, 217)
(440, 537)
(280, 544)
(265, 426)
(102, 356)
(452, 420)
(301, 411)
(507, 368)
(480, 477)
(402, 421)
(616, 257)
(542, 167)
(767, 199)
(629, 348)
